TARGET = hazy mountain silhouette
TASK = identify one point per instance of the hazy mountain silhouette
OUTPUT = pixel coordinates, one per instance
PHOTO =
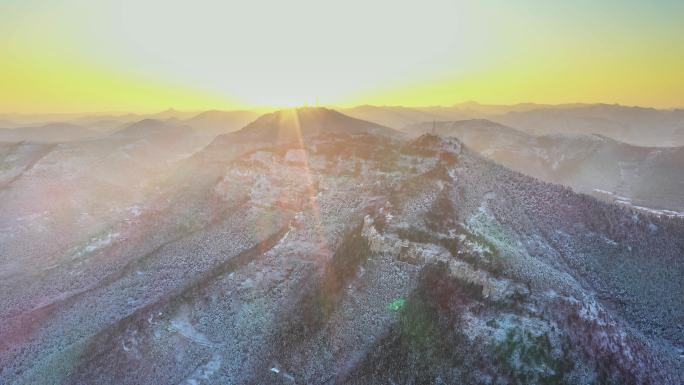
(392, 116)
(52, 132)
(635, 125)
(221, 122)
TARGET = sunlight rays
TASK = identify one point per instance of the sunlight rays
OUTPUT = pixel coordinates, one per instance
(293, 123)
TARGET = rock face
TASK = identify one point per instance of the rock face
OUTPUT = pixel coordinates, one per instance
(497, 290)
(381, 261)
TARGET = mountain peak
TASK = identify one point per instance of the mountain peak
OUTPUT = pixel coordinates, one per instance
(436, 144)
(294, 124)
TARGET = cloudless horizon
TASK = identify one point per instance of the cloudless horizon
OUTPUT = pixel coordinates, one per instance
(77, 56)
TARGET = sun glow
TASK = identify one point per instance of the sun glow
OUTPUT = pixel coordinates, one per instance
(78, 55)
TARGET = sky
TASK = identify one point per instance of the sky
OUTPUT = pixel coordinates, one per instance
(149, 55)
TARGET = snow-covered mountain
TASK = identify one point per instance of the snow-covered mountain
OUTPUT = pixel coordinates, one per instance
(312, 247)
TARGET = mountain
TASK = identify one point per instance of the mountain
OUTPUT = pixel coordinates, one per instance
(399, 117)
(391, 116)
(33, 120)
(57, 196)
(635, 125)
(292, 125)
(221, 122)
(171, 113)
(645, 177)
(8, 123)
(297, 125)
(475, 110)
(351, 256)
(148, 127)
(52, 132)
(476, 133)
(99, 122)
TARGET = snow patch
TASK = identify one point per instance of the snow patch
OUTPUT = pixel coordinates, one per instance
(96, 243)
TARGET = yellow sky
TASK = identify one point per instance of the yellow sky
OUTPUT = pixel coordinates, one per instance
(147, 55)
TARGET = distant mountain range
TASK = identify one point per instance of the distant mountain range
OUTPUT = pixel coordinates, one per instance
(604, 150)
(635, 125)
(651, 177)
(52, 132)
